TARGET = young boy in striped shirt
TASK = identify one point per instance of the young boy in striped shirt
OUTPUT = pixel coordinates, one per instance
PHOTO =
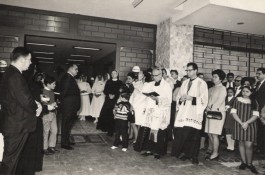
(122, 113)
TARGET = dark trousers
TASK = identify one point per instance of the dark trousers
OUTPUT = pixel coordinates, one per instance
(261, 136)
(68, 120)
(31, 158)
(121, 129)
(14, 144)
(170, 127)
(159, 147)
(187, 141)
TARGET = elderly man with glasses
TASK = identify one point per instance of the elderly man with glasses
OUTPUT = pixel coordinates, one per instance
(157, 114)
(192, 100)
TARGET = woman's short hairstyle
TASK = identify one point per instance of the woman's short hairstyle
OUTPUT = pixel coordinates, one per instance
(221, 74)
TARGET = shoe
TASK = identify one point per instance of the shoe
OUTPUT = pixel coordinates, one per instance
(253, 169)
(114, 147)
(147, 154)
(47, 152)
(157, 156)
(54, 149)
(183, 158)
(243, 166)
(124, 149)
(67, 147)
(72, 143)
(195, 161)
(230, 150)
(209, 152)
(214, 159)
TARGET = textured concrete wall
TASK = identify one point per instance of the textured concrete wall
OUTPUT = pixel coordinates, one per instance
(181, 47)
(163, 44)
(174, 46)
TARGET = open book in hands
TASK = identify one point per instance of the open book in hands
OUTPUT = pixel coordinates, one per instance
(151, 94)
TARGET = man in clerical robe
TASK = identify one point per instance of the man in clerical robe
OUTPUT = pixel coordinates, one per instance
(157, 114)
(192, 99)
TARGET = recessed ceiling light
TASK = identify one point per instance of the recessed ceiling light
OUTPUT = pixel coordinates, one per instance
(86, 48)
(75, 60)
(45, 58)
(40, 44)
(80, 55)
(48, 53)
(48, 62)
(240, 23)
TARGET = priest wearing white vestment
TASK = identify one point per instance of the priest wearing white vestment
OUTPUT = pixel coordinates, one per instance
(192, 99)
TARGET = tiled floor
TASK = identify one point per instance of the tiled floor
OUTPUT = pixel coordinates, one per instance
(96, 158)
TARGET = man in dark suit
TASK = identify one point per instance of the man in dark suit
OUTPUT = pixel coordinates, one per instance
(18, 109)
(260, 97)
(230, 78)
(70, 104)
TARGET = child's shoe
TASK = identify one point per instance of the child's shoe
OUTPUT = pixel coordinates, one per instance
(114, 147)
(124, 149)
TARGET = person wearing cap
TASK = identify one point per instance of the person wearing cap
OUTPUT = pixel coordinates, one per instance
(136, 70)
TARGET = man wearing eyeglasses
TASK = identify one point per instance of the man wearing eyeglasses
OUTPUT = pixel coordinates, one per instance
(158, 114)
(237, 87)
(192, 100)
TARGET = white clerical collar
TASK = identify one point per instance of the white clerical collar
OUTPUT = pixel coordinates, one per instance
(70, 74)
(114, 79)
(47, 88)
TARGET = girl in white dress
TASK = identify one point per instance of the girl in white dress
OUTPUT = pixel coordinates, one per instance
(85, 90)
(98, 97)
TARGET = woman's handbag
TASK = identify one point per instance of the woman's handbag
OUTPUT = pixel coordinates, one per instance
(216, 115)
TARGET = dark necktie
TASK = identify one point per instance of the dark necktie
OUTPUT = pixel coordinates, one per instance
(258, 85)
(190, 83)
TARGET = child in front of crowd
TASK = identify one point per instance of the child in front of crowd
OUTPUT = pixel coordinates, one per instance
(229, 120)
(245, 112)
(49, 120)
(122, 114)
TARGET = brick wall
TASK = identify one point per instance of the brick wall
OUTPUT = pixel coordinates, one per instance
(241, 53)
(130, 57)
(7, 44)
(116, 31)
(55, 24)
(34, 21)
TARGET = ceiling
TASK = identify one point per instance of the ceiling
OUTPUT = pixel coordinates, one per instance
(222, 14)
(149, 11)
(226, 18)
(60, 51)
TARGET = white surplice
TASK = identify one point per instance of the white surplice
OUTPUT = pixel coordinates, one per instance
(192, 114)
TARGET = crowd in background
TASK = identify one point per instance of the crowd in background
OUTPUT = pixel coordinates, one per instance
(150, 108)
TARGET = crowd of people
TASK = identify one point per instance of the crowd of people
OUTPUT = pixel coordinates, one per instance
(152, 108)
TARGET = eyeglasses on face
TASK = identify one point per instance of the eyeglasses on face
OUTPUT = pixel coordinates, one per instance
(238, 80)
(189, 70)
(156, 75)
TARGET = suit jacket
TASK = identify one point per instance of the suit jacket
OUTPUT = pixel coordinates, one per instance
(70, 93)
(18, 105)
(225, 83)
(260, 95)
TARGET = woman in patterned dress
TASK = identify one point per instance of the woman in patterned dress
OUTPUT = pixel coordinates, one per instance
(245, 113)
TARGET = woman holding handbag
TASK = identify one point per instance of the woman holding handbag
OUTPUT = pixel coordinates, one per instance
(215, 110)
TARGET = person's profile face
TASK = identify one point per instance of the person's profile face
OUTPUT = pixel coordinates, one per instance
(260, 75)
(216, 79)
(174, 75)
(74, 70)
(26, 62)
